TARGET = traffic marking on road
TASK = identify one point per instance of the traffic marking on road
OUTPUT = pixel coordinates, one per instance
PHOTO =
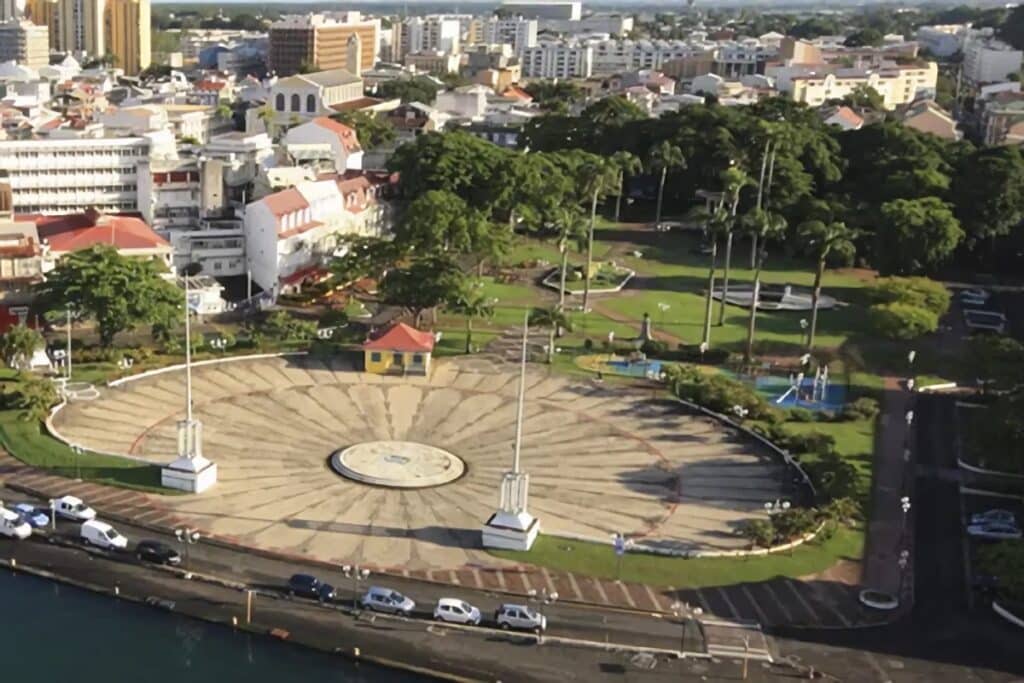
(526, 582)
(800, 598)
(762, 617)
(625, 592)
(501, 579)
(548, 580)
(653, 597)
(574, 586)
(703, 602)
(728, 602)
(453, 578)
(778, 603)
(600, 591)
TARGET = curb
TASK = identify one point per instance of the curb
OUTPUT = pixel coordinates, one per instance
(1007, 615)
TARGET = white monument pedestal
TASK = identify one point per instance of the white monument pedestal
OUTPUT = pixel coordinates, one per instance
(512, 527)
(193, 475)
(190, 472)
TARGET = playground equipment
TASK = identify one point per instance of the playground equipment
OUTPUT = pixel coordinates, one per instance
(807, 390)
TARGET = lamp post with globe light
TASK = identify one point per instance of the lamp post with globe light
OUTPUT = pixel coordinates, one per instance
(187, 537)
(357, 574)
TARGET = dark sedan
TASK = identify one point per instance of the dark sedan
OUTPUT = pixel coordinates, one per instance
(157, 553)
(307, 586)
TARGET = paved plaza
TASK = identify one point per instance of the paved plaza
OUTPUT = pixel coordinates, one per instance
(601, 459)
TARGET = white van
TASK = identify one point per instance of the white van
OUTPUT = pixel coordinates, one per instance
(102, 535)
(12, 526)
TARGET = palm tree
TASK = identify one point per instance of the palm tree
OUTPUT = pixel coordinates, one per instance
(471, 303)
(626, 164)
(733, 180)
(766, 226)
(554, 319)
(267, 116)
(661, 158)
(718, 226)
(571, 228)
(823, 240)
(596, 178)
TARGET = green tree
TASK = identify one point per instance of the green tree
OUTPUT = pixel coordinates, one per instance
(1005, 560)
(823, 241)
(456, 161)
(662, 158)
(425, 283)
(471, 304)
(916, 235)
(766, 226)
(988, 191)
(440, 221)
(864, 97)
(372, 131)
(118, 292)
(419, 89)
(734, 179)
(914, 291)
(364, 257)
(870, 37)
(554, 319)
(224, 111)
(34, 396)
(718, 225)
(626, 164)
(554, 95)
(572, 229)
(18, 344)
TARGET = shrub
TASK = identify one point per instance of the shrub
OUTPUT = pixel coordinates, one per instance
(920, 292)
(690, 353)
(34, 396)
(833, 477)
(759, 532)
(902, 321)
(818, 443)
(715, 392)
(863, 408)
(793, 523)
(801, 415)
(1005, 560)
(652, 348)
(588, 344)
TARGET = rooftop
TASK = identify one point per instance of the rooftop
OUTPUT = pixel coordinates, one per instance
(401, 337)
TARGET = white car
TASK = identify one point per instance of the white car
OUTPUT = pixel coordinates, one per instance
(520, 617)
(975, 296)
(994, 532)
(73, 508)
(387, 600)
(102, 535)
(13, 526)
(994, 517)
(456, 611)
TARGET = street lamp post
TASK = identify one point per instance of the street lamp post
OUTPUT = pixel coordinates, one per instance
(69, 343)
(909, 417)
(77, 450)
(219, 343)
(903, 560)
(905, 506)
(740, 412)
(776, 506)
(803, 330)
(187, 537)
(357, 574)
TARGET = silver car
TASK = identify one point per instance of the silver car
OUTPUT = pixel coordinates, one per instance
(386, 600)
(521, 618)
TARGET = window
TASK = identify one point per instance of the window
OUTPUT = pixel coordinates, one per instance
(375, 357)
(296, 101)
(280, 102)
(417, 359)
(396, 358)
(310, 103)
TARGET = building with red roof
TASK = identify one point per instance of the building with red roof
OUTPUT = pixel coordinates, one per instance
(399, 350)
(341, 139)
(131, 236)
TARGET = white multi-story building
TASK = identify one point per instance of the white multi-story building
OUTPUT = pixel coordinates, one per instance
(613, 24)
(616, 56)
(570, 10)
(58, 176)
(558, 60)
(942, 40)
(518, 32)
(987, 60)
(290, 235)
(345, 149)
(898, 84)
(434, 33)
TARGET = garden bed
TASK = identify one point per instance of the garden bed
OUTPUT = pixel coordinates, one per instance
(608, 279)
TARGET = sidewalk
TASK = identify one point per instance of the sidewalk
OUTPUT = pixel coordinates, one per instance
(888, 531)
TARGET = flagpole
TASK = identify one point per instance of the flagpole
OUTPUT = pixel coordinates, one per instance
(522, 396)
(188, 362)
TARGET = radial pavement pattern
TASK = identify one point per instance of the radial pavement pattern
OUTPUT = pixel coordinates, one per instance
(601, 459)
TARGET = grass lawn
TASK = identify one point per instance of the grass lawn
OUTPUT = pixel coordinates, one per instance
(592, 559)
(27, 442)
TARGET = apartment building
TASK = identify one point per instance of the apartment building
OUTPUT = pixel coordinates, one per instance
(80, 26)
(518, 32)
(314, 41)
(615, 56)
(568, 10)
(987, 60)
(291, 235)
(942, 40)
(59, 176)
(128, 34)
(433, 33)
(25, 43)
(898, 84)
(302, 97)
(558, 60)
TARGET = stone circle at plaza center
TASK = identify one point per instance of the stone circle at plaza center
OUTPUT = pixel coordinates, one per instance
(602, 459)
(397, 464)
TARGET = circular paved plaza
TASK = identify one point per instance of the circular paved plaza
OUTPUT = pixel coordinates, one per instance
(601, 459)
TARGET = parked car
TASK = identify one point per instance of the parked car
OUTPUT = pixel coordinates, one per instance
(157, 552)
(975, 296)
(996, 516)
(387, 600)
(994, 531)
(985, 321)
(666, 226)
(102, 535)
(73, 508)
(520, 617)
(456, 611)
(13, 526)
(307, 586)
(37, 518)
